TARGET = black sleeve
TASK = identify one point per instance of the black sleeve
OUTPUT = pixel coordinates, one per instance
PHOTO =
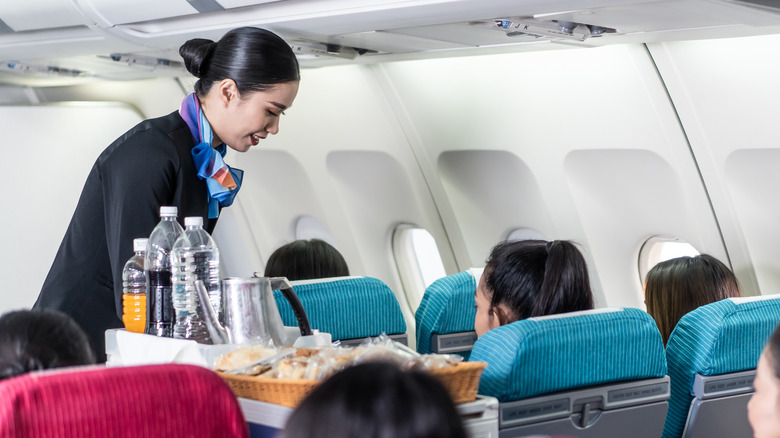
(138, 177)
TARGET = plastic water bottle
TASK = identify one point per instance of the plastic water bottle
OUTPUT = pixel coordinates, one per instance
(134, 289)
(160, 315)
(194, 257)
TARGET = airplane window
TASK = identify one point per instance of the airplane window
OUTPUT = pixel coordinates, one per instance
(309, 227)
(525, 234)
(418, 261)
(658, 249)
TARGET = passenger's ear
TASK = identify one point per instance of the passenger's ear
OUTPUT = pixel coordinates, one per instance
(504, 314)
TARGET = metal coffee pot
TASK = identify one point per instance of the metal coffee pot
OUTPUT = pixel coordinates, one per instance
(251, 315)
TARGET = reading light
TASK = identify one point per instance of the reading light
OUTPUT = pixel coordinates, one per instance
(567, 27)
(596, 30)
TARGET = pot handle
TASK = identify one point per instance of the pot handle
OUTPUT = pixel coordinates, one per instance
(283, 285)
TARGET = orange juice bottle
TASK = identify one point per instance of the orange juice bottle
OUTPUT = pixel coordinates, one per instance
(134, 289)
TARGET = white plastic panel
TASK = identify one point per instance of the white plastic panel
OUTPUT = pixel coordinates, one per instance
(753, 180)
(275, 192)
(48, 150)
(40, 14)
(112, 12)
(228, 4)
(622, 195)
(501, 192)
(726, 93)
(544, 108)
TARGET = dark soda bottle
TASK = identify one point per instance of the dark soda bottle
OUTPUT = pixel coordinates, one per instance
(160, 315)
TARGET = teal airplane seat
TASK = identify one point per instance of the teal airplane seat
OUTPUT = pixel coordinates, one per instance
(712, 354)
(445, 316)
(351, 309)
(594, 373)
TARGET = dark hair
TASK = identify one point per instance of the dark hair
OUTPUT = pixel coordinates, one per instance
(306, 259)
(677, 286)
(40, 339)
(255, 59)
(537, 278)
(376, 400)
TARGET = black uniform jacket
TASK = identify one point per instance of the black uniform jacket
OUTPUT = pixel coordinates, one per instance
(148, 167)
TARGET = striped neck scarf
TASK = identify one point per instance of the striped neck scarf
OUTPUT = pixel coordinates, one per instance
(223, 181)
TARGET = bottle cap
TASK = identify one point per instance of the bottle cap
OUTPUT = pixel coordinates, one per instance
(169, 211)
(140, 244)
(193, 221)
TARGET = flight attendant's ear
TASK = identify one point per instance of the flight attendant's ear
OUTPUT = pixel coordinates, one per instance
(227, 91)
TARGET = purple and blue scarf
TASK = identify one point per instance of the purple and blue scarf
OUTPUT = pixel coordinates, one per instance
(222, 180)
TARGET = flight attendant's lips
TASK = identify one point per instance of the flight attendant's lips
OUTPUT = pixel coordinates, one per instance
(256, 139)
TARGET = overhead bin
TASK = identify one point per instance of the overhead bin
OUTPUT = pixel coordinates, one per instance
(20, 16)
(109, 13)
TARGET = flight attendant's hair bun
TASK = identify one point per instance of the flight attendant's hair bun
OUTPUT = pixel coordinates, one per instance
(255, 59)
(195, 53)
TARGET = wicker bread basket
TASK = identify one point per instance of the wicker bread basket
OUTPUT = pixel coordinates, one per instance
(461, 381)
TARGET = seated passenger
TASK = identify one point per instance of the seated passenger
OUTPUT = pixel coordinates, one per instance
(677, 286)
(306, 259)
(528, 278)
(376, 400)
(33, 340)
(763, 409)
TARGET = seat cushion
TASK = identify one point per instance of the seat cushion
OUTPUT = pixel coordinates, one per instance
(348, 308)
(571, 350)
(143, 401)
(723, 337)
(446, 307)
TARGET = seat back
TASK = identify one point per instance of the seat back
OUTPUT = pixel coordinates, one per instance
(588, 374)
(349, 308)
(721, 343)
(445, 317)
(150, 401)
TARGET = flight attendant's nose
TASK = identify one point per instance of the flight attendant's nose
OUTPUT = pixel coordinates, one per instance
(273, 127)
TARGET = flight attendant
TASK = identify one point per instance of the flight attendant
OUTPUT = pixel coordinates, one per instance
(245, 81)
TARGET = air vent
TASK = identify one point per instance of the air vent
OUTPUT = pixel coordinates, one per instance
(557, 29)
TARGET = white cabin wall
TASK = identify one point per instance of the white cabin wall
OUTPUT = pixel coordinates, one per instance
(580, 144)
(341, 157)
(48, 152)
(727, 94)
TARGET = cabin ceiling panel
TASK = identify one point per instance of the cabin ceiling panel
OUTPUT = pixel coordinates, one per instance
(23, 15)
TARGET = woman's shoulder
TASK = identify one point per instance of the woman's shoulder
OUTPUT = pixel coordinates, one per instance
(163, 137)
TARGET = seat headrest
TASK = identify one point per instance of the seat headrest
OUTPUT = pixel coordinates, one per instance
(728, 335)
(346, 307)
(446, 307)
(542, 355)
(722, 337)
(148, 400)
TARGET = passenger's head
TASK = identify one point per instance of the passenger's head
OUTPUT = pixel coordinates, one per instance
(33, 340)
(306, 259)
(245, 81)
(677, 286)
(376, 400)
(764, 406)
(528, 278)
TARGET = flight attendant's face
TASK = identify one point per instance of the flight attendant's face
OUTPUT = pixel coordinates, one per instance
(763, 407)
(242, 121)
(486, 318)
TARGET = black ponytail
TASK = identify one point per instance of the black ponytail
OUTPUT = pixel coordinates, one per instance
(538, 278)
(255, 59)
